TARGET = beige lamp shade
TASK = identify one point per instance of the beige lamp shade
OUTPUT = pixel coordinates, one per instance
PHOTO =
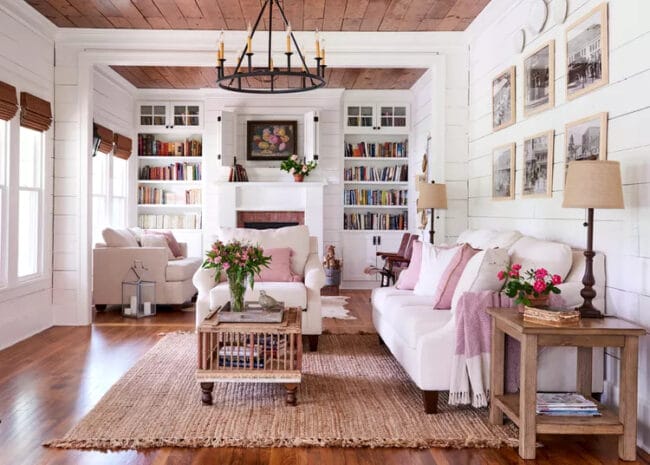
(593, 184)
(432, 195)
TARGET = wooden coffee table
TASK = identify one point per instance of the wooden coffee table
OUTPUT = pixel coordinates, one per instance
(250, 353)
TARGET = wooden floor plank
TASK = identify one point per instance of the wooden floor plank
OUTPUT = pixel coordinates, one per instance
(51, 380)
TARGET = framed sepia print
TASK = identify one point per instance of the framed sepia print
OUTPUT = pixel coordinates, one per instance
(503, 99)
(539, 79)
(538, 165)
(271, 140)
(586, 139)
(503, 172)
(587, 51)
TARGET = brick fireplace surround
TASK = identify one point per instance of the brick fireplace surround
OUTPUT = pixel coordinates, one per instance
(289, 217)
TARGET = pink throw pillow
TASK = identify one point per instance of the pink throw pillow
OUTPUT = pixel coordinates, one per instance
(409, 277)
(173, 244)
(451, 276)
(279, 269)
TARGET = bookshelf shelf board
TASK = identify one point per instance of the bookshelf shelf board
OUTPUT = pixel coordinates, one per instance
(378, 207)
(170, 205)
(183, 230)
(391, 183)
(170, 158)
(154, 181)
(400, 159)
(365, 231)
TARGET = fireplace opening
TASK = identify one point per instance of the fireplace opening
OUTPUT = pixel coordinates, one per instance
(268, 224)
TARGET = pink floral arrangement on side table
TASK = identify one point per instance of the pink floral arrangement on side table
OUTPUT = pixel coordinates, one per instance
(527, 285)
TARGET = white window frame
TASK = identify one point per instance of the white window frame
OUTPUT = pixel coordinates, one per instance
(109, 194)
(4, 204)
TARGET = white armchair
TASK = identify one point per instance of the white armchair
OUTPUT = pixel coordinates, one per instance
(305, 294)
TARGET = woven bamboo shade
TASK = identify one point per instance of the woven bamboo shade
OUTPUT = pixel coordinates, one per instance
(123, 146)
(8, 101)
(35, 113)
(105, 136)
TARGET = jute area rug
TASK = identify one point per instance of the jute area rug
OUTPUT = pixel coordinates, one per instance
(353, 394)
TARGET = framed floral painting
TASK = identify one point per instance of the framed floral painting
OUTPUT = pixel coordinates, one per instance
(271, 140)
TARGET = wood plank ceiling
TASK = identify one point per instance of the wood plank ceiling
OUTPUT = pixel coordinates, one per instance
(326, 15)
(196, 77)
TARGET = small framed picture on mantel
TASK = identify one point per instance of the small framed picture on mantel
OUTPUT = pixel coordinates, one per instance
(271, 140)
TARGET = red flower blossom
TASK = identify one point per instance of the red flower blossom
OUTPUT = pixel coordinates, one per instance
(516, 267)
(557, 279)
(539, 286)
(501, 275)
(541, 273)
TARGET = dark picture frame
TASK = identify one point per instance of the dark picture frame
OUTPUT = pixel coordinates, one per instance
(539, 79)
(503, 99)
(271, 140)
(587, 53)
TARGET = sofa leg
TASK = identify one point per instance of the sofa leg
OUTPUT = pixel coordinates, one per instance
(100, 307)
(312, 340)
(430, 399)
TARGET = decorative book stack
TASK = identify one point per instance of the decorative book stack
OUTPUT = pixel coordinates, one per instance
(551, 316)
(566, 404)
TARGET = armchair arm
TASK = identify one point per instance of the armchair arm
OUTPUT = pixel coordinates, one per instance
(183, 246)
(314, 273)
(203, 280)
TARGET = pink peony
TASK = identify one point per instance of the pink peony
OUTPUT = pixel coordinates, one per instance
(514, 274)
(539, 286)
(557, 279)
(516, 267)
(541, 273)
(226, 266)
(501, 275)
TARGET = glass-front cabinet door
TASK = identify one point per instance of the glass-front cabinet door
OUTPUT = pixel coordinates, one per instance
(153, 115)
(392, 116)
(186, 115)
(359, 117)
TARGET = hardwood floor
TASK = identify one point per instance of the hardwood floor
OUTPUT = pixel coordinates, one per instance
(51, 380)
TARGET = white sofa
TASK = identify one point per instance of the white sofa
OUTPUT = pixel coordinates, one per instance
(173, 277)
(305, 262)
(423, 339)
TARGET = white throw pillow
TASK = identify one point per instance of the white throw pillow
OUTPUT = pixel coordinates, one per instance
(119, 238)
(296, 237)
(157, 240)
(480, 274)
(537, 253)
(137, 233)
(435, 261)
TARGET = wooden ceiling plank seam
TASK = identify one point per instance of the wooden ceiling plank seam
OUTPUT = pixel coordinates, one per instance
(440, 9)
(334, 11)
(213, 13)
(414, 15)
(374, 15)
(189, 9)
(106, 8)
(90, 10)
(64, 8)
(249, 10)
(171, 13)
(294, 10)
(131, 13)
(151, 13)
(355, 9)
(351, 24)
(120, 22)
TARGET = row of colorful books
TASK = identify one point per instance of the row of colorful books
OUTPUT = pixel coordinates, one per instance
(172, 172)
(148, 145)
(368, 221)
(373, 173)
(155, 195)
(186, 221)
(376, 149)
(378, 197)
(566, 404)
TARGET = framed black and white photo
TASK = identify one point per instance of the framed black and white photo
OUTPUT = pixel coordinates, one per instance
(587, 54)
(503, 99)
(586, 139)
(503, 172)
(538, 165)
(539, 79)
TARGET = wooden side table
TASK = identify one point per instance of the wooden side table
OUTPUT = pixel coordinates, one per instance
(589, 333)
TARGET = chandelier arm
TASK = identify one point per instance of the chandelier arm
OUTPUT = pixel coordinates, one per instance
(243, 53)
(295, 42)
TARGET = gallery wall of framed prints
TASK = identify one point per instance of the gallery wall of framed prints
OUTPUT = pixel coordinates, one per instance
(586, 69)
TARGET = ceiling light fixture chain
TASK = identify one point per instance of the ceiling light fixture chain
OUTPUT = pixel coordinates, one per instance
(268, 75)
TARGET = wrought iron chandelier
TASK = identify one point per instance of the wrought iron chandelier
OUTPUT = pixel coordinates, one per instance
(269, 76)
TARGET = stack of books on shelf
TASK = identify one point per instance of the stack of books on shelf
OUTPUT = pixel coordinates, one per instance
(376, 150)
(187, 221)
(148, 145)
(240, 357)
(371, 173)
(364, 197)
(173, 172)
(368, 221)
(157, 196)
(238, 174)
(566, 404)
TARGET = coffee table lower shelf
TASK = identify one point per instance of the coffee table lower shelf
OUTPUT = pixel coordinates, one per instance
(607, 423)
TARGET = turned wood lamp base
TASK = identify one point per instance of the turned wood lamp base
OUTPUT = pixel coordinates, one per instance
(588, 292)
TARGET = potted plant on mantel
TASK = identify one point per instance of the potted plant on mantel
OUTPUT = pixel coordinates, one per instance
(299, 168)
(532, 287)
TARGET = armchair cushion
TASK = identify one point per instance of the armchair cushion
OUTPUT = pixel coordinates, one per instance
(119, 238)
(279, 269)
(172, 243)
(182, 269)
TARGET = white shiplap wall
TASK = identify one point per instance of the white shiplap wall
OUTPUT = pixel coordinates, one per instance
(27, 62)
(623, 235)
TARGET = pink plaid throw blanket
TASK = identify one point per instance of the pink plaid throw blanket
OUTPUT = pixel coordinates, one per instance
(470, 373)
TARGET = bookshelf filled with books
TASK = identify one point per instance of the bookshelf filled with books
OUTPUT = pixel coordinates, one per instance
(169, 188)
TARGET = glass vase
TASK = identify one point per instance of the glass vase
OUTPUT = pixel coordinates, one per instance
(237, 288)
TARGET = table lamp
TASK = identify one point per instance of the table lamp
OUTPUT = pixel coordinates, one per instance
(592, 184)
(432, 196)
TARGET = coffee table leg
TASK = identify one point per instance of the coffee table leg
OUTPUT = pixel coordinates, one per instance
(290, 390)
(206, 393)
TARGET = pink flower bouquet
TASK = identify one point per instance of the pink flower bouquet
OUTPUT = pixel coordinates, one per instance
(522, 286)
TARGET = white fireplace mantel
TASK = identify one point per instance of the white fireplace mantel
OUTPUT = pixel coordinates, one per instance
(225, 199)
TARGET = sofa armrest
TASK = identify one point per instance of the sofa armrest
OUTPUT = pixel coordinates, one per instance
(203, 280)
(314, 273)
(183, 246)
